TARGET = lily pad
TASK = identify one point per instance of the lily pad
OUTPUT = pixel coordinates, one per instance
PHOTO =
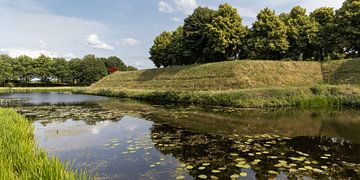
(202, 176)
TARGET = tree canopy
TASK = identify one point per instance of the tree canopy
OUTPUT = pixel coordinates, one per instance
(218, 35)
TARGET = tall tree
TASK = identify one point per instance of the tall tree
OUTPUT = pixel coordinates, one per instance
(60, 69)
(301, 32)
(226, 33)
(326, 36)
(348, 24)
(42, 68)
(5, 69)
(24, 66)
(194, 34)
(159, 51)
(93, 69)
(114, 63)
(176, 49)
(268, 36)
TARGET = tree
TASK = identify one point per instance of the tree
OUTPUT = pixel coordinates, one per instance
(93, 69)
(113, 64)
(5, 69)
(195, 36)
(42, 68)
(60, 69)
(326, 37)
(348, 24)
(225, 33)
(301, 32)
(268, 36)
(24, 66)
(76, 70)
(158, 52)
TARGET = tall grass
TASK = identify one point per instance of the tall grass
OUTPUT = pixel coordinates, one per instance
(20, 158)
(35, 89)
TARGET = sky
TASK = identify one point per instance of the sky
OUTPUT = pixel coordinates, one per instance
(123, 28)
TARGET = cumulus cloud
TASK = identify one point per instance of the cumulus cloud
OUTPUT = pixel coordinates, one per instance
(16, 52)
(186, 6)
(31, 28)
(176, 19)
(165, 7)
(69, 56)
(129, 42)
(94, 42)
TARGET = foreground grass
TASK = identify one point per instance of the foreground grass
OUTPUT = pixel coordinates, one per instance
(20, 158)
(36, 89)
(306, 96)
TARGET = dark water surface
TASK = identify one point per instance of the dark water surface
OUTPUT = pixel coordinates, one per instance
(132, 140)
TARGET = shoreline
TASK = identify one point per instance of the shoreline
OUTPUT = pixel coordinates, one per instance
(302, 97)
(21, 158)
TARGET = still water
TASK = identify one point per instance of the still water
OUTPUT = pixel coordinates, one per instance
(121, 139)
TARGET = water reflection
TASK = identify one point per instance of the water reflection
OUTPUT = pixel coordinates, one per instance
(133, 140)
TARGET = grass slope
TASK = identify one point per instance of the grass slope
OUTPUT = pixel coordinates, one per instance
(218, 76)
(241, 84)
(19, 156)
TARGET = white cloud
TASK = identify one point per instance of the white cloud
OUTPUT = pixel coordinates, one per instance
(94, 42)
(42, 44)
(165, 7)
(247, 12)
(27, 22)
(69, 56)
(16, 52)
(311, 5)
(129, 42)
(186, 6)
(176, 19)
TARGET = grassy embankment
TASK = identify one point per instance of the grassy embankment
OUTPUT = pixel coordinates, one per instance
(241, 84)
(20, 158)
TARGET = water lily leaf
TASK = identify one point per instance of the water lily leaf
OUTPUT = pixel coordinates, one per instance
(215, 171)
(180, 177)
(206, 164)
(243, 174)
(234, 176)
(202, 176)
(201, 168)
(273, 172)
(189, 167)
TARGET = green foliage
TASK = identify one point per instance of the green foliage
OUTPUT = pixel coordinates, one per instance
(195, 35)
(6, 70)
(60, 69)
(225, 33)
(268, 36)
(20, 158)
(347, 19)
(42, 68)
(326, 40)
(218, 35)
(114, 61)
(93, 69)
(158, 52)
(301, 33)
(23, 69)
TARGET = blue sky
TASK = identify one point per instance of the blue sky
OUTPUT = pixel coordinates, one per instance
(73, 28)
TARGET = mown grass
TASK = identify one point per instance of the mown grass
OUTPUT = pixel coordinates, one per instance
(241, 84)
(20, 158)
(36, 89)
(231, 75)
